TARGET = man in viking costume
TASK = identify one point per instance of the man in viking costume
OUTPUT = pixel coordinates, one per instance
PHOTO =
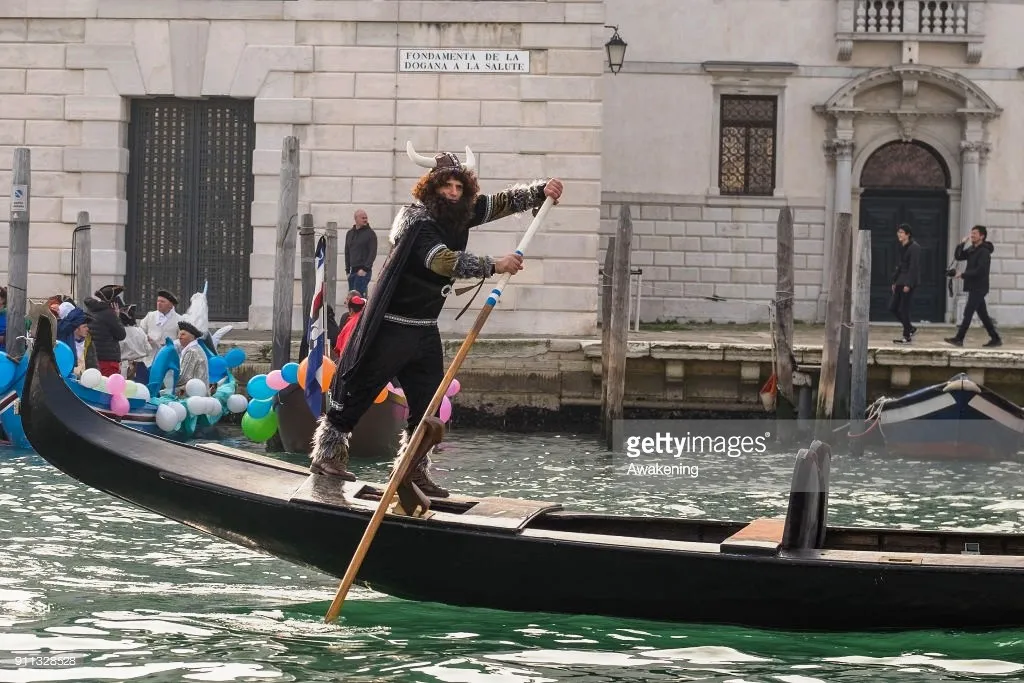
(397, 334)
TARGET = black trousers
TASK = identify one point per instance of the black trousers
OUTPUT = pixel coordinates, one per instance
(976, 304)
(413, 355)
(900, 307)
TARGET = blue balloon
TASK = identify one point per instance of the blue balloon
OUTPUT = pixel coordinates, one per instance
(259, 409)
(258, 389)
(218, 369)
(234, 357)
(8, 368)
(290, 373)
(65, 358)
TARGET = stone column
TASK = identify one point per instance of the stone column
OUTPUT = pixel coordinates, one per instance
(970, 198)
(830, 202)
(844, 174)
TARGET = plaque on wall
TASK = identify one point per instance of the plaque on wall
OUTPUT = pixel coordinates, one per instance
(444, 60)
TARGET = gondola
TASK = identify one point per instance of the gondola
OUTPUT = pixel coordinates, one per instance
(521, 555)
(375, 437)
(954, 420)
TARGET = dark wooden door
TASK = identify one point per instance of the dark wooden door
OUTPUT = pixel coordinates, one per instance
(190, 189)
(928, 215)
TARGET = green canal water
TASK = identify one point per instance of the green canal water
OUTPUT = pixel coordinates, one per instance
(114, 593)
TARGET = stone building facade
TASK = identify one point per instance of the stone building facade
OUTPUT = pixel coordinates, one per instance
(165, 121)
(891, 111)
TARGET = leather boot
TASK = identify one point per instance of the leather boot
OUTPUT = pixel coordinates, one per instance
(330, 451)
(429, 487)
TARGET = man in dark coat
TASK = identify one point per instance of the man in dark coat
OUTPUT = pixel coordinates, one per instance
(397, 333)
(975, 277)
(905, 281)
(360, 252)
(105, 327)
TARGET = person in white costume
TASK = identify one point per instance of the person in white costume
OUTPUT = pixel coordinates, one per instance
(158, 326)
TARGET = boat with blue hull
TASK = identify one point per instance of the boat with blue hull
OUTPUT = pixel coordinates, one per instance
(954, 420)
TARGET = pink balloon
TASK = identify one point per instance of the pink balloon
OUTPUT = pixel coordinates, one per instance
(119, 404)
(445, 413)
(453, 388)
(276, 381)
(116, 384)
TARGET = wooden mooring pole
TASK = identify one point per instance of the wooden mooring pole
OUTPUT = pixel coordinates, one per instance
(307, 270)
(606, 331)
(331, 268)
(861, 328)
(842, 397)
(17, 255)
(838, 268)
(81, 241)
(619, 327)
(284, 254)
(785, 397)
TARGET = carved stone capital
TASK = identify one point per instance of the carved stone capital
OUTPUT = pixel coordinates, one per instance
(842, 149)
(973, 150)
(830, 150)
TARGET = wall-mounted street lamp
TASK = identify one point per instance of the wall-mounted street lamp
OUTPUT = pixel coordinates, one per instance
(616, 48)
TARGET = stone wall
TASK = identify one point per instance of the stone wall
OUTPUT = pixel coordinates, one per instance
(326, 72)
(689, 251)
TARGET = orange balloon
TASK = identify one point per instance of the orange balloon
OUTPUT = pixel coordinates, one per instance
(326, 373)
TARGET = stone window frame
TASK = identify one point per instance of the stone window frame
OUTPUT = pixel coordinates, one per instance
(762, 79)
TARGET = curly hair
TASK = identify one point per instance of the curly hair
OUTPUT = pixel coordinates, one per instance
(428, 186)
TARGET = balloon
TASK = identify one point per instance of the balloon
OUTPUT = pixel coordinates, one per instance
(179, 411)
(261, 429)
(276, 381)
(91, 378)
(445, 413)
(65, 358)
(8, 369)
(196, 405)
(382, 396)
(326, 373)
(237, 403)
(213, 407)
(116, 384)
(119, 405)
(453, 388)
(290, 372)
(166, 417)
(218, 369)
(234, 357)
(259, 408)
(131, 388)
(258, 388)
(195, 387)
(142, 392)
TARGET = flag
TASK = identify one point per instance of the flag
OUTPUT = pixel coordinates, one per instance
(316, 331)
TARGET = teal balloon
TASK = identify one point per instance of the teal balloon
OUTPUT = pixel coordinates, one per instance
(260, 408)
(259, 430)
(234, 357)
(65, 358)
(257, 388)
(218, 368)
(290, 373)
(8, 368)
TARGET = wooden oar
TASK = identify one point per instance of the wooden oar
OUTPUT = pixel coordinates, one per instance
(403, 463)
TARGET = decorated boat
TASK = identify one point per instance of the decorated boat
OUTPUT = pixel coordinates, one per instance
(796, 572)
(957, 419)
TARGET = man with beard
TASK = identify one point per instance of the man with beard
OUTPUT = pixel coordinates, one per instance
(397, 335)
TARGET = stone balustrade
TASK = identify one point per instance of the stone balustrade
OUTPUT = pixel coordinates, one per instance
(911, 21)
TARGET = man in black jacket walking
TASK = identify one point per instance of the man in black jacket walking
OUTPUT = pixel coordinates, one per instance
(905, 281)
(975, 277)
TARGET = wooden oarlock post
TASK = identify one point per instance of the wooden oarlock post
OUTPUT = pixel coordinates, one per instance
(399, 472)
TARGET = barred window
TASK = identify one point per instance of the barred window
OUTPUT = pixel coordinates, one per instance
(746, 161)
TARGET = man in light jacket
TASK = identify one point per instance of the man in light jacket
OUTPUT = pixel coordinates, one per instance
(158, 326)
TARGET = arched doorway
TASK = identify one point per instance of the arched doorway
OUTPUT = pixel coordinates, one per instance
(906, 182)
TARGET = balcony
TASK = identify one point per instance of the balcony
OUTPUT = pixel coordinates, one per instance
(911, 22)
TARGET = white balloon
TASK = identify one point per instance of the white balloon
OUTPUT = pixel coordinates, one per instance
(91, 378)
(166, 417)
(195, 387)
(196, 405)
(131, 388)
(179, 411)
(142, 392)
(237, 403)
(216, 409)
